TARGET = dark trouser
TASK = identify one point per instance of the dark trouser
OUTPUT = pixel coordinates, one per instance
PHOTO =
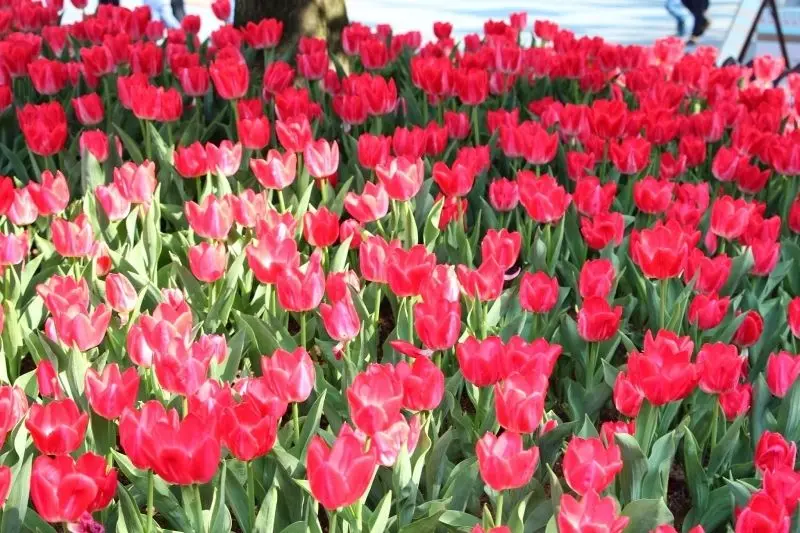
(110, 2)
(698, 9)
(178, 9)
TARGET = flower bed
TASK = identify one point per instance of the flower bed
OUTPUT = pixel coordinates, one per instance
(490, 288)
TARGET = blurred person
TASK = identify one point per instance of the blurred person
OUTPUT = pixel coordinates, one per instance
(177, 9)
(163, 10)
(698, 10)
(674, 7)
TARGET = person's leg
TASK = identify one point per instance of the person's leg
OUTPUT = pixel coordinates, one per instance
(674, 9)
(177, 9)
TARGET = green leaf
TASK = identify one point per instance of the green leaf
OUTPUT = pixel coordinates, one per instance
(311, 425)
(646, 515)
(634, 467)
(35, 523)
(458, 520)
(16, 163)
(436, 464)
(659, 463)
(721, 453)
(431, 230)
(340, 258)
(297, 527)
(696, 478)
(411, 236)
(131, 146)
(129, 518)
(16, 506)
(265, 520)
(380, 516)
(236, 496)
(218, 509)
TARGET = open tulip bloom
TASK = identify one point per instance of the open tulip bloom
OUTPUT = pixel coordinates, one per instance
(466, 284)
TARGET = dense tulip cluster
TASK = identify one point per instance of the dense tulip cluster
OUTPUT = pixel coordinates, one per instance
(484, 286)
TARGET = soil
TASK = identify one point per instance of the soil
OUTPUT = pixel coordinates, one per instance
(678, 499)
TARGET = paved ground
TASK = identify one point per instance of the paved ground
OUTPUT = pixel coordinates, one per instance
(623, 21)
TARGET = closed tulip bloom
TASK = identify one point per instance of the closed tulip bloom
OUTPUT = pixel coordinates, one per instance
(294, 133)
(321, 158)
(248, 207)
(120, 294)
(537, 356)
(773, 452)
(373, 150)
(88, 109)
(663, 370)
(57, 428)
(480, 360)
(254, 133)
(503, 463)
(782, 371)
(407, 269)
(13, 248)
(22, 210)
(735, 402)
(707, 310)
(94, 142)
(652, 195)
(112, 391)
(191, 161)
(456, 180)
(597, 320)
(763, 513)
(225, 159)
(596, 278)
(538, 292)
(277, 171)
(627, 396)
(63, 489)
(263, 34)
(501, 245)
(388, 443)
(246, 432)
(290, 376)
(207, 261)
(725, 163)
(185, 453)
(484, 283)
(589, 465)
(51, 195)
(321, 227)
(72, 239)
(720, 367)
(339, 475)
(631, 155)
(423, 384)
(373, 255)
(47, 381)
(231, 77)
(136, 431)
(437, 323)
(13, 407)
(137, 183)
(44, 127)
(302, 288)
(592, 197)
(269, 257)
(375, 397)
(222, 9)
(180, 369)
(793, 316)
(194, 80)
(519, 401)
(543, 198)
(503, 195)
(402, 177)
(212, 219)
(660, 251)
(729, 217)
(709, 273)
(340, 317)
(6, 194)
(371, 205)
(592, 513)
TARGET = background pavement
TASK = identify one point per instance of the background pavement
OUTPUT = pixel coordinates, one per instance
(622, 21)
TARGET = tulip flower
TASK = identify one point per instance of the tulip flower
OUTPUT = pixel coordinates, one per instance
(73, 238)
(402, 177)
(589, 465)
(423, 384)
(276, 171)
(407, 269)
(212, 219)
(184, 453)
(341, 474)
(503, 195)
(478, 360)
(720, 367)
(663, 370)
(627, 396)
(437, 323)
(207, 261)
(57, 428)
(763, 513)
(321, 227)
(774, 452)
(246, 433)
(543, 199)
(301, 288)
(225, 159)
(44, 127)
(597, 320)
(51, 195)
(660, 251)
(590, 513)
(371, 205)
(270, 257)
(503, 463)
(136, 183)
(111, 392)
(519, 401)
(120, 294)
(593, 198)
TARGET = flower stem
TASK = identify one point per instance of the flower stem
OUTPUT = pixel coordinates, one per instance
(199, 510)
(296, 422)
(664, 287)
(377, 313)
(251, 494)
(498, 516)
(150, 507)
(332, 522)
(281, 201)
(475, 126)
(591, 363)
(303, 329)
(714, 423)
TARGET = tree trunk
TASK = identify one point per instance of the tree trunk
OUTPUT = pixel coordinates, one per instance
(315, 18)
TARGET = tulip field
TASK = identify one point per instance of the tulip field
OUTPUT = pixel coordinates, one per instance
(259, 284)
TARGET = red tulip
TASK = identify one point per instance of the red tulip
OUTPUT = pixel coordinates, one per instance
(592, 513)
(301, 288)
(783, 485)
(663, 370)
(95, 142)
(773, 452)
(246, 432)
(631, 155)
(371, 205)
(543, 199)
(503, 246)
(225, 159)
(471, 85)
(51, 195)
(707, 310)
(373, 254)
(652, 195)
(57, 428)
(602, 230)
(136, 431)
(72, 239)
(276, 171)
(375, 397)
(520, 356)
(729, 217)
(340, 317)
(191, 161)
(63, 489)
(437, 323)
(22, 210)
(184, 453)
(230, 75)
(750, 330)
(47, 381)
(720, 367)
(538, 292)
(709, 273)
(13, 407)
(456, 180)
(627, 396)
(478, 360)
(782, 371)
(339, 475)
(222, 9)
(208, 261)
(592, 198)
(763, 513)
(111, 392)
(597, 320)
(13, 249)
(294, 133)
(212, 219)
(321, 227)
(290, 376)
(88, 109)
(736, 401)
(793, 316)
(503, 463)
(484, 283)
(660, 251)
(407, 269)
(47, 76)
(180, 369)
(248, 207)
(136, 183)
(264, 34)
(254, 133)
(503, 195)
(402, 177)
(423, 384)
(270, 256)
(519, 401)
(194, 80)
(589, 465)
(321, 158)
(120, 294)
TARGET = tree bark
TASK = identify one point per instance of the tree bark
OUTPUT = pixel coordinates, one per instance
(314, 18)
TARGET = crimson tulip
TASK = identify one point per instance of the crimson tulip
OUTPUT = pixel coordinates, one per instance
(763, 513)
(591, 513)
(111, 392)
(276, 171)
(246, 432)
(519, 401)
(212, 219)
(136, 431)
(290, 376)
(207, 261)
(478, 360)
(57, 428)
(590, 465)
(503, 463)
(423, 384)
(663, 370)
